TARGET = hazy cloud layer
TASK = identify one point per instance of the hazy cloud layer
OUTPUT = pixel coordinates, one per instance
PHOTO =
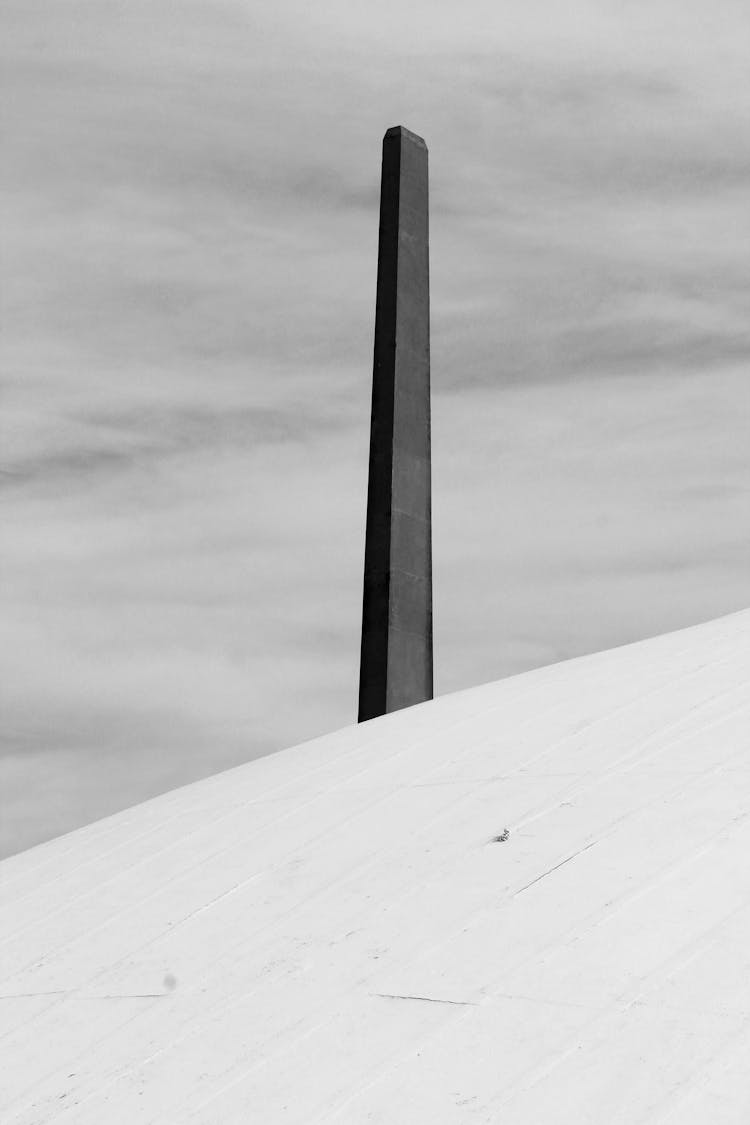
(189, 247)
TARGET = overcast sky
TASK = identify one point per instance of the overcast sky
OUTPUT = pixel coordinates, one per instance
(189, 258)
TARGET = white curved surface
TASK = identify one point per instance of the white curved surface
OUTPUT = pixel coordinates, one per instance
(329, 934)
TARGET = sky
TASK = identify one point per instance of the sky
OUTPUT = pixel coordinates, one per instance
(189, 249)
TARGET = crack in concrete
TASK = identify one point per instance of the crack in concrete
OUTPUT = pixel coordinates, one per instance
(560, 864)
(428, 999)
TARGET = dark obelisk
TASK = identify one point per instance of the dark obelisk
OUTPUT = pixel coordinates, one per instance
(396, 658)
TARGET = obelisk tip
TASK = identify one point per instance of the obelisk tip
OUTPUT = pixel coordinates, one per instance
(400, 132)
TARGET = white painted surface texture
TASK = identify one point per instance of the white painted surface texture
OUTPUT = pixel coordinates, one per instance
(331, 934)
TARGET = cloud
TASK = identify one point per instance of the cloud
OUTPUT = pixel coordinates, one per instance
(190, 237)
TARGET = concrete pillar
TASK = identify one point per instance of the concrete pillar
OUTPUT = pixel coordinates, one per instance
(396, 656)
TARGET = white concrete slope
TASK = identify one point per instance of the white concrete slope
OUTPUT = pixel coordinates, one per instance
(333, 934)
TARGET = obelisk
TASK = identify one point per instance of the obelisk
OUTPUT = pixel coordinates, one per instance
(396, 655)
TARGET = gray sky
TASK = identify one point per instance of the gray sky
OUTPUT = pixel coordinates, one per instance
(189, 255)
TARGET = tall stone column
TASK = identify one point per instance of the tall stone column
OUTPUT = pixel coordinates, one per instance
(396, 656)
